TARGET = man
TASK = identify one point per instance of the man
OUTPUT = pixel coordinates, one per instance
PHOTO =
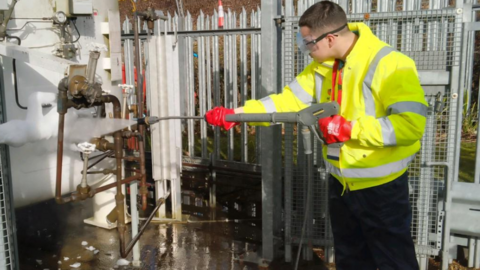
(381, 121)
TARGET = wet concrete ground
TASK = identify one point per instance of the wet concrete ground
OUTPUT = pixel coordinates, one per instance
(48, 234)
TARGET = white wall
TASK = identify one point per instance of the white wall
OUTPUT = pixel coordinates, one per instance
(34, 165)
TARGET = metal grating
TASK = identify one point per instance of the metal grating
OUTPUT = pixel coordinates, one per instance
(430, 38)
(427, 183)
(8, 252)
(6, 229)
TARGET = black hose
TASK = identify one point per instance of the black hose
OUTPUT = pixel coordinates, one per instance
(15, 85)
(307, 206)
(76, 29)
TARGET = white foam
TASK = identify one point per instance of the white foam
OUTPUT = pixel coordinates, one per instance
(122, 262)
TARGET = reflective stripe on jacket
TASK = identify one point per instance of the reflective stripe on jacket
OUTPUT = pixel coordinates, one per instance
(382, 97)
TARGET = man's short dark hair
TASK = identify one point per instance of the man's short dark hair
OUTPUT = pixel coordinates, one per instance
(323, 16)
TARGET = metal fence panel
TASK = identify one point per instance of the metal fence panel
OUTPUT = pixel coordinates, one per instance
(223, 67)
(430, 37)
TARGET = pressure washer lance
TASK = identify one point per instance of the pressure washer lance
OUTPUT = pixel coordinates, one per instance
(308, 117)
(150, 120)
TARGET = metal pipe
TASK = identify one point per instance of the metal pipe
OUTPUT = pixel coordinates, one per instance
(132, 243)
(109, 186)
(62, 110)
(141, 128)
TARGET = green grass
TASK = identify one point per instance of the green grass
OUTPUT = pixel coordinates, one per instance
(467, 162)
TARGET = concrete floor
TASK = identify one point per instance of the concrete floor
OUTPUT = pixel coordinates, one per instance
(48, 233)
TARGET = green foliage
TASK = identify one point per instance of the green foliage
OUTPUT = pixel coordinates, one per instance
(469, 123)
(467, 162)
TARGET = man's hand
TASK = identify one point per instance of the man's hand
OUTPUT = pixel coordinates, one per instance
(216, 117)
(335, 129)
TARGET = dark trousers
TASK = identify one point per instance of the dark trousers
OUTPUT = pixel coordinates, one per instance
(371, 227)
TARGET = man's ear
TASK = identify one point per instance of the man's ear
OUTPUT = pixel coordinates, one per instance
(332, 39)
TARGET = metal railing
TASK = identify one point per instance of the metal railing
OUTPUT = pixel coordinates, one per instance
(223, 67)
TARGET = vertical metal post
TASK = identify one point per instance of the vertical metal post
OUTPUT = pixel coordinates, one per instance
(270, 136)
(202, 98)
(216, 83)
(455, 129)
(226, 75)
(259, 81)
(216, 102)
(288, 63)
(209, 65)
(180, 20)
(243, 82)
(191, 87)
(233, 76)
(256, 72)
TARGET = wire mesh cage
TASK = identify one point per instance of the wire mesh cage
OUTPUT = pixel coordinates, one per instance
(431, 39)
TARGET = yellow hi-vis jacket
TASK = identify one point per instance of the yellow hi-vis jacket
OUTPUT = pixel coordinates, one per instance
(382, 97)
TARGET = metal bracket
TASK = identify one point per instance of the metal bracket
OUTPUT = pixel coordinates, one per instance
(441, 214)
(279, 20)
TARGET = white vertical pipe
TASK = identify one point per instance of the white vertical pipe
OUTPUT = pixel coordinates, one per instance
(471, 251)
(171, 65)
(477, 253)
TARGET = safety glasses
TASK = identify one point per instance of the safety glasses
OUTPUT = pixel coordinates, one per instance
(306, 46)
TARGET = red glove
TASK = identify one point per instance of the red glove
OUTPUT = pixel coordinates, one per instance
(335, 129)
(216, 117)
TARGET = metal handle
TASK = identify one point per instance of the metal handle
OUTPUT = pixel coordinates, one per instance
(308, 116)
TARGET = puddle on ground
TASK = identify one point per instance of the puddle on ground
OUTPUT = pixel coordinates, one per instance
(50, 236)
